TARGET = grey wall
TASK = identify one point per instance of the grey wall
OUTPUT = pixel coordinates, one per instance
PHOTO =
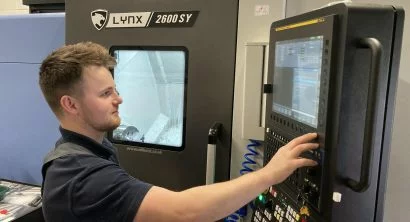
(252, 28)
(296, 7)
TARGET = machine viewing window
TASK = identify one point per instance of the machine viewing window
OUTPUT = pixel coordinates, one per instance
(296, 78)
(151, 81)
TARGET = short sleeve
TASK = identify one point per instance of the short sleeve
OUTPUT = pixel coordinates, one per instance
(105, 192)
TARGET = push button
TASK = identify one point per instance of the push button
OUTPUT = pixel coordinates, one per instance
(312, 171)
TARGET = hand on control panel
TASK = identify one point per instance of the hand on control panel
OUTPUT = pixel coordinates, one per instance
(288, 159)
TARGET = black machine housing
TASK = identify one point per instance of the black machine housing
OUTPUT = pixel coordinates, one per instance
(353, 103)
(208, 41)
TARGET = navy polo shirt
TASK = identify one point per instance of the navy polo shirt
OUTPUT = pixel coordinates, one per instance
(81, 187)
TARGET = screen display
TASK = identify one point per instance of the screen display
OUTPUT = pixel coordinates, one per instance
(296, 79)
(152, 85)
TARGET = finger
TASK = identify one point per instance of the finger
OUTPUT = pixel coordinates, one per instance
(302, 139)
(303, 162)
(299, 149)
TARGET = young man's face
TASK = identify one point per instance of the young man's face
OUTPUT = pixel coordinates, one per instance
(100, 101)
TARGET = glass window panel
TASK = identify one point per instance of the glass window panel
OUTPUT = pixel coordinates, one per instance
(152, 84)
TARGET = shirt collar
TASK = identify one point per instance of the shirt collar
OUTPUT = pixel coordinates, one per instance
(105, 150)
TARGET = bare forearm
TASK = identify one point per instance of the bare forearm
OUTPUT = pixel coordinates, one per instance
(218, 200)
(213, 202)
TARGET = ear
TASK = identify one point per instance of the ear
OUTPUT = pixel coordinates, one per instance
(69, 104)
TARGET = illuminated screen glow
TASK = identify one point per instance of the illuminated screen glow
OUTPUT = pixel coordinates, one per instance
(296, 79)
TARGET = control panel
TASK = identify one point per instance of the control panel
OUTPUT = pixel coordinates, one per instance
(274, 205)
(299, 196)
(305, 183)
(296, 104)
(327, 74)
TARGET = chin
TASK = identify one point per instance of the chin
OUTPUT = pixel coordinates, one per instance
(116, 124)
(111, 126)
(108, 128)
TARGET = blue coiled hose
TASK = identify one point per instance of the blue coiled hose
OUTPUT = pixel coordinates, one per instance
(246, 168)
(249, 157)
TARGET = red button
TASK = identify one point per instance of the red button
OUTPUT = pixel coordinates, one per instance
(3, 211)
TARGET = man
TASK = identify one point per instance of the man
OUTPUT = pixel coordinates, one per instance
(82, 178)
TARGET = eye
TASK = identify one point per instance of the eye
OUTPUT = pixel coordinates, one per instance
(106, 93)
(116, 90)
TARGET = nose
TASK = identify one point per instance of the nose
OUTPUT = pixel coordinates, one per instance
(118, 98)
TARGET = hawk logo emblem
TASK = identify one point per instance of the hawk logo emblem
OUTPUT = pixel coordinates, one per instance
(99, 18)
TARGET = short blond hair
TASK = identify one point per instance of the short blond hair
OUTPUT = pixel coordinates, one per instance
(61, 71)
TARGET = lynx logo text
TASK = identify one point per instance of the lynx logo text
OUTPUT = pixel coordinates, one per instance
(101, 19)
